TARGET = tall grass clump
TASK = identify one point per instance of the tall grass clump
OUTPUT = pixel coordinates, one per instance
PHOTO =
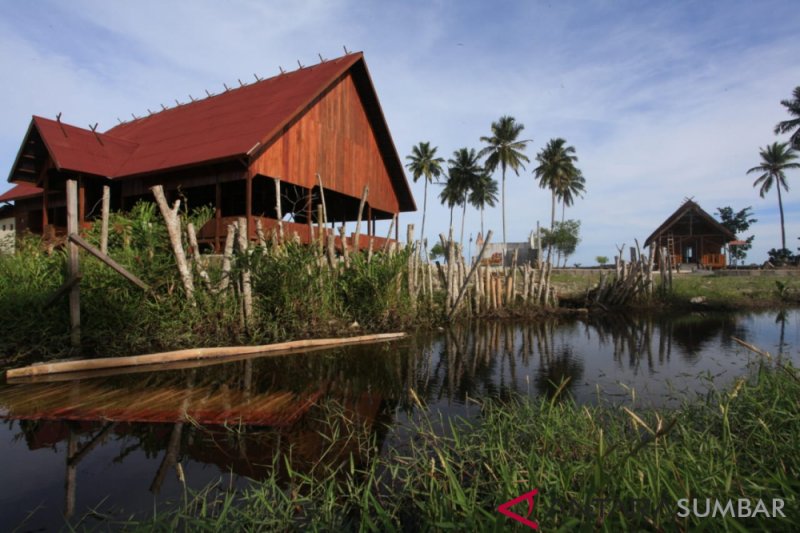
(595, 467)
(296, 294)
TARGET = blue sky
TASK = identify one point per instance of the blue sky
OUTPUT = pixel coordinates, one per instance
(662, 100)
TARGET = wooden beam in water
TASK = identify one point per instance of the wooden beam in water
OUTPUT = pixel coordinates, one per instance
(192, 354)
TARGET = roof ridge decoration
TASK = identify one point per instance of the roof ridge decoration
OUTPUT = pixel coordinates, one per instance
(227, 90)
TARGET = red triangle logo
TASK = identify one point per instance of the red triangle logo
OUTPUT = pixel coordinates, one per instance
(505, 508)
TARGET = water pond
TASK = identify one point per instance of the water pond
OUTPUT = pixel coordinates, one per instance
(119, 445)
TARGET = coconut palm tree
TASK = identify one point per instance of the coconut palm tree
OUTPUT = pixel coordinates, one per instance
(557, 172)
(572, 188)
(466, 170)
(483, 193)
(775, 159)
(793, 107)
(423, 163)
(451, 195)
(505, 151)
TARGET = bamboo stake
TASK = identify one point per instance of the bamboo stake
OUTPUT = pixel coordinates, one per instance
(410, 266)
(357, 243)
(247, 290)
(74, 264)
(191, 354)
(331, 250)
(105, 214)
(345, 253)
(469, 277)
(389, 235)
(322, 197)
(262, 239)
(226, 258)
(194, 248)
(174, 230)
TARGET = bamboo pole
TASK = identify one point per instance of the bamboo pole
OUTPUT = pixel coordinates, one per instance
(357, 243)
(74, 264)
(389, 235)
(108, 261)
(262, 238)
(192, 354)
(105, 214)
(322, 198)
(247, 290)
(331, 250)
(226, 258)
(345, 253)
(469, 277)
(174, 230)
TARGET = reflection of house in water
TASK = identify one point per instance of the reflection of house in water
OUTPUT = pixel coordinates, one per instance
(232, 416)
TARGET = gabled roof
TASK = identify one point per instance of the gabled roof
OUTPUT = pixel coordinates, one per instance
(19, 192)
(236, 124)
(688, 207)
(232, 124)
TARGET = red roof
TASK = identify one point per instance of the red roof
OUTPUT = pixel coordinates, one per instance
(20, 191)
(82, 150)
(225, 126)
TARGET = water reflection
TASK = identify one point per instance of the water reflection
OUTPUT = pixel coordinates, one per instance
(195, 425)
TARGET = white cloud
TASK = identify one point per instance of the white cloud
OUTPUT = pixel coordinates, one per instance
(661, 103)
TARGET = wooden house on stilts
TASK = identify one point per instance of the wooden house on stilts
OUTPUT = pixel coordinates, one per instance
(692, 237)
(252, 151)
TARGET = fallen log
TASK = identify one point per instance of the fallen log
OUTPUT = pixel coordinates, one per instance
(191, 354)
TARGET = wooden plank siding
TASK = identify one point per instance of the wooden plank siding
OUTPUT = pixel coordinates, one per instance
(335, 139)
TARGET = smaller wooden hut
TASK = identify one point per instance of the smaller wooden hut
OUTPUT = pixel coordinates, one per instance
(692, 236)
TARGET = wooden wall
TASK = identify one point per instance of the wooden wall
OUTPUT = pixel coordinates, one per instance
(334, 138)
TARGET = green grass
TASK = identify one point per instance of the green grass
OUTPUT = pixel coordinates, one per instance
(718, 291)
(294, 296)
(740, 443)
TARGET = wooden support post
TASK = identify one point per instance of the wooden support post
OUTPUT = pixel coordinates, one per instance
(217, 215)
(45, 206)
(247, 292)
(81, 202)
(278, 212)
(248, 198)
(74, 264)
(105, 214)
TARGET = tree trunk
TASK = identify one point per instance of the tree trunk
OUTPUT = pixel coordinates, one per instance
(780, 207)
(504, 213)
(482, 233)
(463, 216)
(174, 230)
(424, 210)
